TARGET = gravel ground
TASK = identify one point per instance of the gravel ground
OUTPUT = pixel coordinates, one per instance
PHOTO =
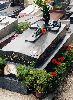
(8, 95)
(65, 91)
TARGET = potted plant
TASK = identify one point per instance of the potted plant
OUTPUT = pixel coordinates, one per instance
(42, 83)
(35, 80)
(45, 8)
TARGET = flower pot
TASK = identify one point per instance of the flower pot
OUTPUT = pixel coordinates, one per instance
(46, 18)
(39, 95)
(46, 15)
(30, 90)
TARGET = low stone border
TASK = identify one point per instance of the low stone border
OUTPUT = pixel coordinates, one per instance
(12, 85)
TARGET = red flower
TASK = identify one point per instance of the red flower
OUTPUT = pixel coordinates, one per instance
(44, 30)
(54, 74)
(54, 61)
(61, 59)
(58, 63)
(69, 47)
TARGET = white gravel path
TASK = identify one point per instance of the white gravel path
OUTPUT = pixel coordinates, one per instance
(66, 92)
(8, 95)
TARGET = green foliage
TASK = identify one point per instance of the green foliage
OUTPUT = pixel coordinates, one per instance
(22, 71)
(38, 80)
(2, 63)
(29, 79)
(22, 27)
(68, 55)
(61, 68)
(39, 2)
(26, 75)
(59, 7)
(43, 81)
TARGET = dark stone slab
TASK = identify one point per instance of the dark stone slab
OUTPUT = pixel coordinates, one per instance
(36, 49)
(12, 85)
(20, 51)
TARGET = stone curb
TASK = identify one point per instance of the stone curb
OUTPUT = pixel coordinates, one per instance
(12, 85)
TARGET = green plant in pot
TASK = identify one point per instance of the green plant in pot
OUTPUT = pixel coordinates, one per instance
(45, 8)
(42, 83)
(34, 79)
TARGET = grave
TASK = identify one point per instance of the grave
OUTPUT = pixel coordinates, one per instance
(37, 51)
(7, 25)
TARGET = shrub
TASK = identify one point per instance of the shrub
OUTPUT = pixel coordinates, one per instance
(38, 80)
(22, 71)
